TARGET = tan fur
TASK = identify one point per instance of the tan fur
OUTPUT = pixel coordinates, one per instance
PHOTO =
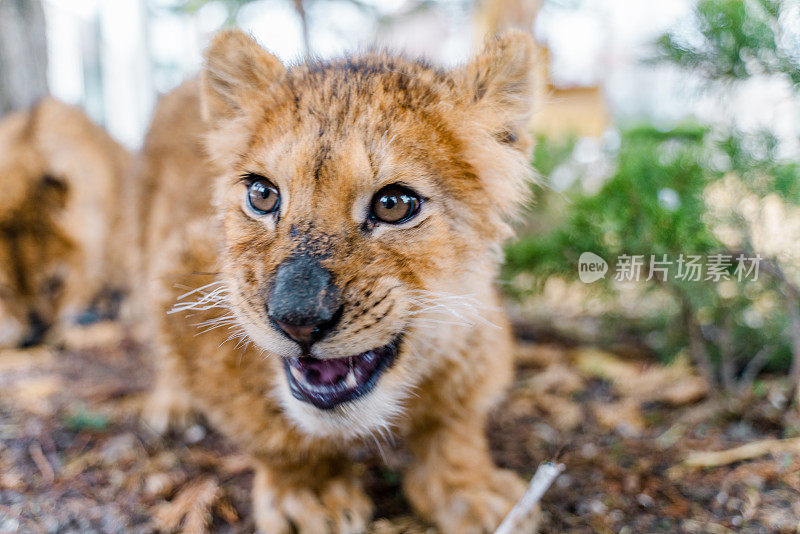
(64, 247)
(329, 135)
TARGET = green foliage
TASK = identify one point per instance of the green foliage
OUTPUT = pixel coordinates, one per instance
(740, 39)
(756, 159)
(629, 215)
(632, 214)
(548, 154)
(659, 200)
(84, 419)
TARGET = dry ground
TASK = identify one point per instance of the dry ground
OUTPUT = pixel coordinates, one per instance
(73, 457)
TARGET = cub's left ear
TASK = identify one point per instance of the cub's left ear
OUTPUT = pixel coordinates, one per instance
(498, 82)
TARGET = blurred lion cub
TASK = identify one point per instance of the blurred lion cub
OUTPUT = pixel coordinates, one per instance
(62, 239)
(345, 228)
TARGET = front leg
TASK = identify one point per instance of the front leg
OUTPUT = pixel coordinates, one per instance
(453, 481)
(312, 496)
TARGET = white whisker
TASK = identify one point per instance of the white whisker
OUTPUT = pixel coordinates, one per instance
(213, 296)
(464, 310)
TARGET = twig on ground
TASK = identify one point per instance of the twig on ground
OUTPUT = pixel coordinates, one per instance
(753, 368)
(38, 457)
(738, 454)
(521, 512)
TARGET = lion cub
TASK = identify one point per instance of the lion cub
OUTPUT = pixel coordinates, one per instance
(62, 255)
(342, 221)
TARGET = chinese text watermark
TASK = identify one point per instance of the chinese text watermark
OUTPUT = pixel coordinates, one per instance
(662, 267)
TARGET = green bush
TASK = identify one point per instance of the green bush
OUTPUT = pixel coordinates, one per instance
(693, 189)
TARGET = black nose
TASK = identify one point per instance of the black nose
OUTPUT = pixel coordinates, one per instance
(304, 303)
(37, 328)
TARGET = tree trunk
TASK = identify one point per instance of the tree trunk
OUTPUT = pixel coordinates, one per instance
(23, 54)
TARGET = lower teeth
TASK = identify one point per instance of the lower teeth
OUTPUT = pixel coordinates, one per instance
(350, 381)
(297, 375)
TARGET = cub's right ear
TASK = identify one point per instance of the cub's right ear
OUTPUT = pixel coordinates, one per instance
(237, 75)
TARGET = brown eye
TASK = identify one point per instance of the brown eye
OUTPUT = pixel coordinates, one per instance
(262, 195)
(395, 204)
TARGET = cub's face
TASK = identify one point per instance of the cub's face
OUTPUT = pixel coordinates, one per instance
(34, 253)
(362, 203)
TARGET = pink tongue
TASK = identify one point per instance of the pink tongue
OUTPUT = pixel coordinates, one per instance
(325, 372)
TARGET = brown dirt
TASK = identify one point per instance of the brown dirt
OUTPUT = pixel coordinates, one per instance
(74, 458)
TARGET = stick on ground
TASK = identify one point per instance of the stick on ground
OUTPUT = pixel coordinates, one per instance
(745, 452)
(521, 512)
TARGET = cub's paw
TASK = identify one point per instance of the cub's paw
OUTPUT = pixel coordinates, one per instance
(470, 505)
(166, 410)
(340, 506)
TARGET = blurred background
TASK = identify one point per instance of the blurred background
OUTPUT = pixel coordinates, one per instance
(114, 57)
(664, 129)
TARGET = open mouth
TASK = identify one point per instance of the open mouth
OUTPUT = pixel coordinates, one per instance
(330, 382)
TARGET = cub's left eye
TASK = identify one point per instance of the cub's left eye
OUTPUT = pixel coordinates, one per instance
(262, 195)
(395, 204)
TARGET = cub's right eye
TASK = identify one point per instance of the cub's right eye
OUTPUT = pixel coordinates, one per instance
(262, 195)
